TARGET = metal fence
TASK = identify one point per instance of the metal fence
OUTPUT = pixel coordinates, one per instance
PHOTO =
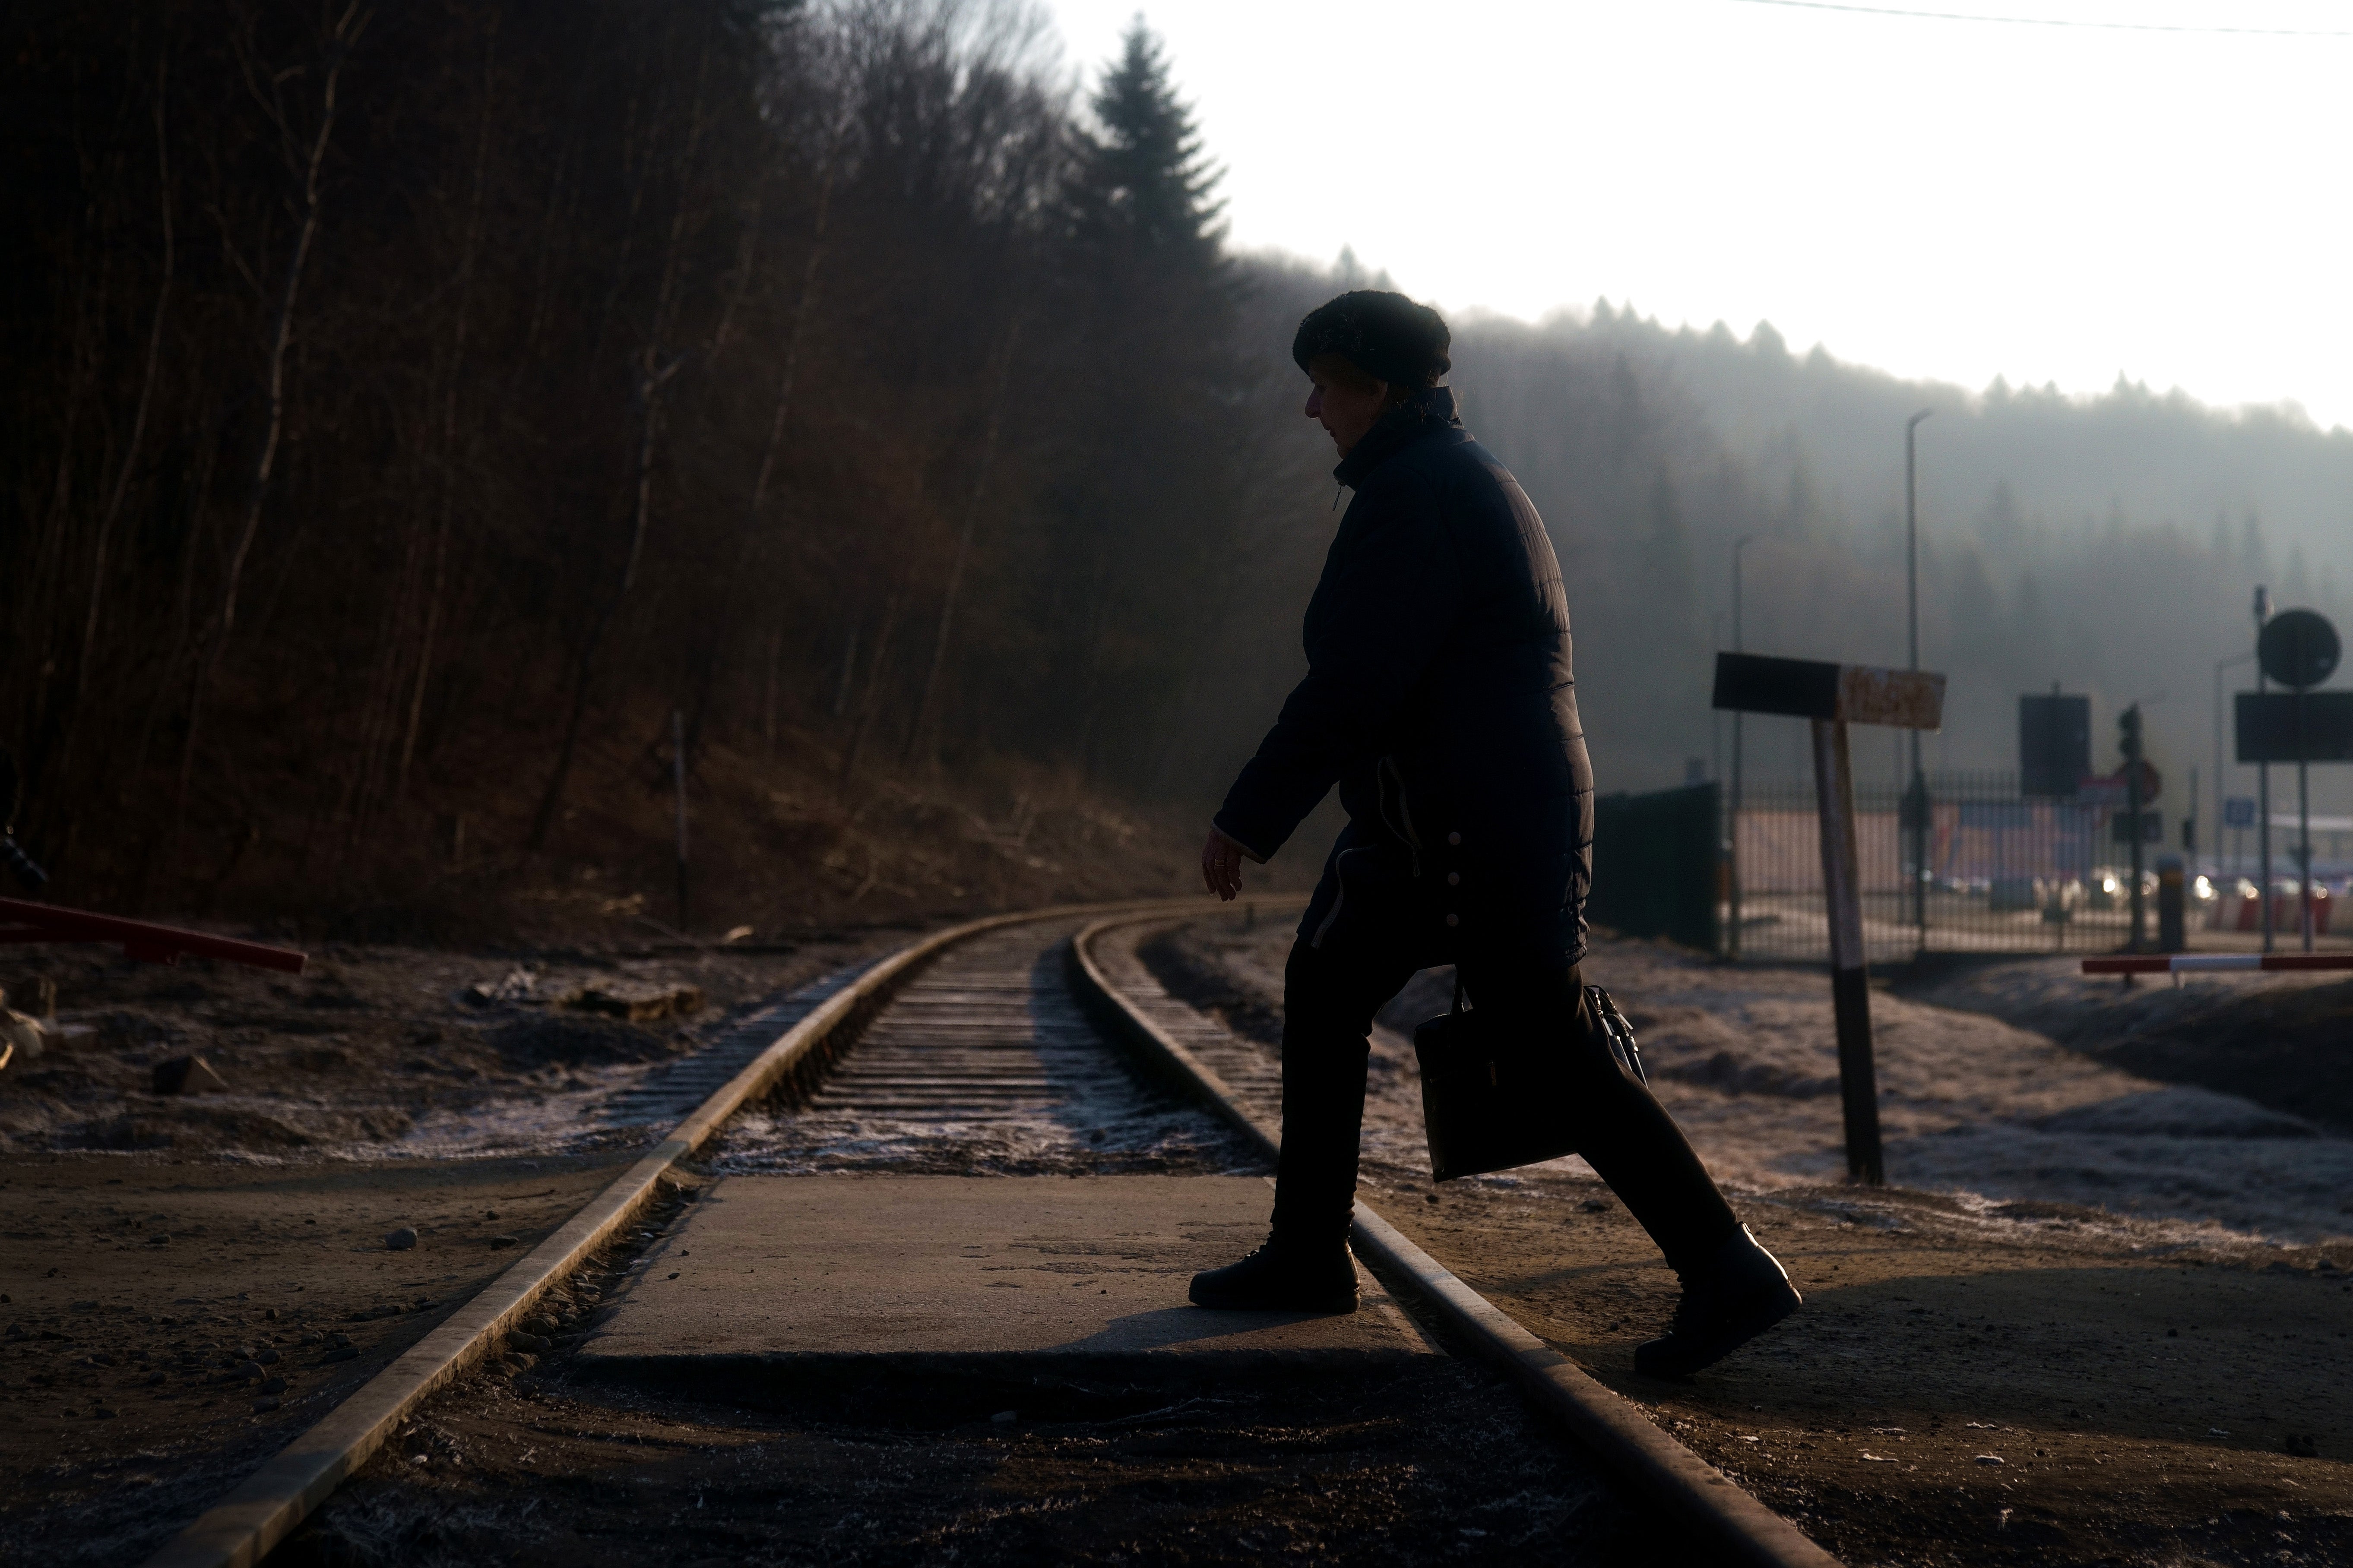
(2004, 873)
(1658, 865)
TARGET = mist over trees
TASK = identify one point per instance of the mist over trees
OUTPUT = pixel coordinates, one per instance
(411, 406)
(2111, 544)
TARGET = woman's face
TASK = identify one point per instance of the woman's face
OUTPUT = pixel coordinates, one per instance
(1343, 400)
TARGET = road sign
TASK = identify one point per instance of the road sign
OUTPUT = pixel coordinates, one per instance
(2152, 828)
(2238, 811)
(1814, 688)
(2295, 726)
(2298, 648)
(2115, 788)
(2055, 745)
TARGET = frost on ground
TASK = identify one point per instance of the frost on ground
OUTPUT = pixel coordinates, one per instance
(380, 1053)
(1970, 1104)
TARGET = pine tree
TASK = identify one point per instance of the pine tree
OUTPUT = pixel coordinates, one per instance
(1147, 180)
(1147, 525)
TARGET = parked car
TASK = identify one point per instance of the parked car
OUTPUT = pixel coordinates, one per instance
(2110, 886)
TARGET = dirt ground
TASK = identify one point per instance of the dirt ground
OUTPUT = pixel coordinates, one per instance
(1974, 1378)
(539, 1472)
(188, 1281)
(166, 1323)
(1973, 1104)
(1959, 1388)
(2278, 1039)
(371, 1052)
(137, 1400)
(2157, 1387)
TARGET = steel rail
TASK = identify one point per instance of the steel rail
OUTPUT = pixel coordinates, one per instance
(243, 1527)
(1613, 1430)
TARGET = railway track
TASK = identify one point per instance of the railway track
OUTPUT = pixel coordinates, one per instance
(992, 1048)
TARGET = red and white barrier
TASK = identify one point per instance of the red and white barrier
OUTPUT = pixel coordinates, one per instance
(22, 920)
(2191, 963)
(2244, 911)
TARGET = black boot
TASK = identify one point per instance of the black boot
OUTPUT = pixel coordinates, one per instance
(1277, 1278)
(1739, 1293)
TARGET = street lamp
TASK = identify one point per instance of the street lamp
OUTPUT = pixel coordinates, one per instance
(1733, 946)
(1715, 719)
(1919, 792)
(2263, 781)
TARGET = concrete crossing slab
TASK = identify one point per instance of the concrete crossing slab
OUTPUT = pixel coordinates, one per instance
(772, 1280)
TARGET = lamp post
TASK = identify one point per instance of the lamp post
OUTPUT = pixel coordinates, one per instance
(2264, 783)
(1732, 945)
(1919, 791)
(2214, 844)
(1715, 725)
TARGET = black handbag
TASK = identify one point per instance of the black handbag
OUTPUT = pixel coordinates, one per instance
(1489, 1102)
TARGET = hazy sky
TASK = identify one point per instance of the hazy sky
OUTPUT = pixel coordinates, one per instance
(1943, 198)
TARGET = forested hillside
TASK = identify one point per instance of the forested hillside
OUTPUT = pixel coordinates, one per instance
(2111, 544)
(412, 407)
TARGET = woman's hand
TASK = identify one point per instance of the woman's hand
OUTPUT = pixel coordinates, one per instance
(1221, 865)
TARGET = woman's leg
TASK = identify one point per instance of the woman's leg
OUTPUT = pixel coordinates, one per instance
(1620, 1128)
(1328, 1007)
(1328, 1003)
(1733, 1288)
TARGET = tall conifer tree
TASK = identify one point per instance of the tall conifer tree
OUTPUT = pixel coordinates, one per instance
(1152, 515)
(1147, 182)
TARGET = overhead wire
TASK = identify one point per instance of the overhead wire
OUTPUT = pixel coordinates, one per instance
(2045, 21)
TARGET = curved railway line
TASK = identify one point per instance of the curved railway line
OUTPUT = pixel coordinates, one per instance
(1011, 1046)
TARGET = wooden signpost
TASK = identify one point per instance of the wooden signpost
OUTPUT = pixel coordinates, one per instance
(1834, 695)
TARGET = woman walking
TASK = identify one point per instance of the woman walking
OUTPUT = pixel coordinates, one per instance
(1439, 698)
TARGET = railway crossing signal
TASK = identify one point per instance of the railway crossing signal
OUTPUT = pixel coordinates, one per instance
(1834, 695)
(2298, 648)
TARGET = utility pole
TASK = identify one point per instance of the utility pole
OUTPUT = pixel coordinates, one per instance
(1918, 794)
(1715, 727)
(2263, 784)
(2221, 792)
(2129, 722)
(2302, 832)
(1732, 946)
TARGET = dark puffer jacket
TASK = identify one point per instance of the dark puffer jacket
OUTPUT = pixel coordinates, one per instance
(1438, 697)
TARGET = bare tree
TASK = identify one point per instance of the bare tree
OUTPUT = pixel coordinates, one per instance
(334, 52)
(919, 733)
(657, 364)
(452, 439)
(135, 443)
